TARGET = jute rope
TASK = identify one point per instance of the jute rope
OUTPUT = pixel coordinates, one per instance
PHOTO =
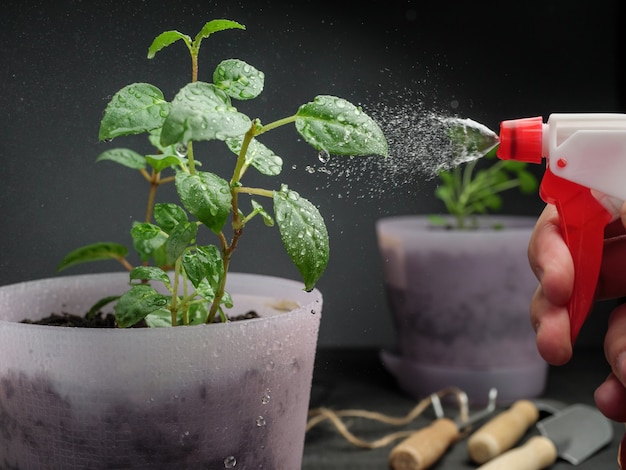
(319, 415)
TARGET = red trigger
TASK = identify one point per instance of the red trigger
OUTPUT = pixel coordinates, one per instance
(583, 220)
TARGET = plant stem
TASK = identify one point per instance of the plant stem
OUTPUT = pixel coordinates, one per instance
(257, 191)
(192, 162)
(124, 262)
(154, 184)
(275, 124)
(174, 305)
(194, 65)
(241, 158)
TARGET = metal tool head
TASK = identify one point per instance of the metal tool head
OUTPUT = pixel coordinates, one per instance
(578, 432)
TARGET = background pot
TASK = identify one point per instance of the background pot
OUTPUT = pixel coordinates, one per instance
(210, 396)
(460, 302)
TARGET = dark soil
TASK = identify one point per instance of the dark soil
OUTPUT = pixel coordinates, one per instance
(101, 320)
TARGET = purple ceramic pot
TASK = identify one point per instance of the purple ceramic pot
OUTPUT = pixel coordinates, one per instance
(460, 301)
(231, 395)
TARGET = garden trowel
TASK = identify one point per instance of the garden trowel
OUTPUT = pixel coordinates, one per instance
(503, 431)
(573, 434)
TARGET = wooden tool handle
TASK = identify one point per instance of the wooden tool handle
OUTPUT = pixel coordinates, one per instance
(424, 447)
(539, 452)
(502, 432)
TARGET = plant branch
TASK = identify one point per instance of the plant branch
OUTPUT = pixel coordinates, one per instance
(275, 124)
(257, 191)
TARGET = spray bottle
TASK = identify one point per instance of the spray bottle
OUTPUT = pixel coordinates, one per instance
(586, 161)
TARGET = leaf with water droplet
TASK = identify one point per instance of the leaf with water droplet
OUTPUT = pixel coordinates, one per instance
(135, 109)
(126, 157)
(150, 273)
(204, 263)
(258, 155)
(93, 252)
(338, 127)
(202, 111)
(296, 215)
(238, 79)
(182, 236)
(147, 239)
(169, 215)
(136, 303)
(206, 196)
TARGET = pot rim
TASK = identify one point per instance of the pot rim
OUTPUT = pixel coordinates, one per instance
(413, 222)
(313, 302)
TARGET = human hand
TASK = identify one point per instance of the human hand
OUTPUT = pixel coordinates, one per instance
(551, 262)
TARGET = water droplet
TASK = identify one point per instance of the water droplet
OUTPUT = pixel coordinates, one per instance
(270, 365)
(230, 462)
(265, 399)
(181, 150)
(260, 421)
(323, 156)
(185, 439)
(310, 169)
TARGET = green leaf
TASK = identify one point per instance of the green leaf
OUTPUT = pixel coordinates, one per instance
(136, 108)
(150, 273)
(205, 290)
(159, 319)
(204, 262)
(202, 111)
(168, 216)
(127, 157)
(258, 155)
(338, 127)
(182, 236)
(165, 39)
(214, 26)
(97, 307)
(161, 162)
(238, 79)
(147, 239)
(136, 303)
(206, 196)
(198, 313)
(258, 209)
(93, 252)
(304, 234)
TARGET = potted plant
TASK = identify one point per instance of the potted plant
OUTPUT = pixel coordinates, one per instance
(176, 383)
(459, 287)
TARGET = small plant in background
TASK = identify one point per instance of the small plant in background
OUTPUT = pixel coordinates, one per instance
(467, 191)
(167, 239)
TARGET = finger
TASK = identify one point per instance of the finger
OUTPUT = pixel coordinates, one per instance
(550, 259)
(610, 398)
(611, 282)
(615, 343)
(551, 323)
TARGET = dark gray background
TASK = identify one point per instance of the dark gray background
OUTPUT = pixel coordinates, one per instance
(62, 60)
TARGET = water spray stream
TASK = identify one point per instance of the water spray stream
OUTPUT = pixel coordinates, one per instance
(421, 144)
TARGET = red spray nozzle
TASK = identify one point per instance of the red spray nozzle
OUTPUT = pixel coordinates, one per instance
(521, 140)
